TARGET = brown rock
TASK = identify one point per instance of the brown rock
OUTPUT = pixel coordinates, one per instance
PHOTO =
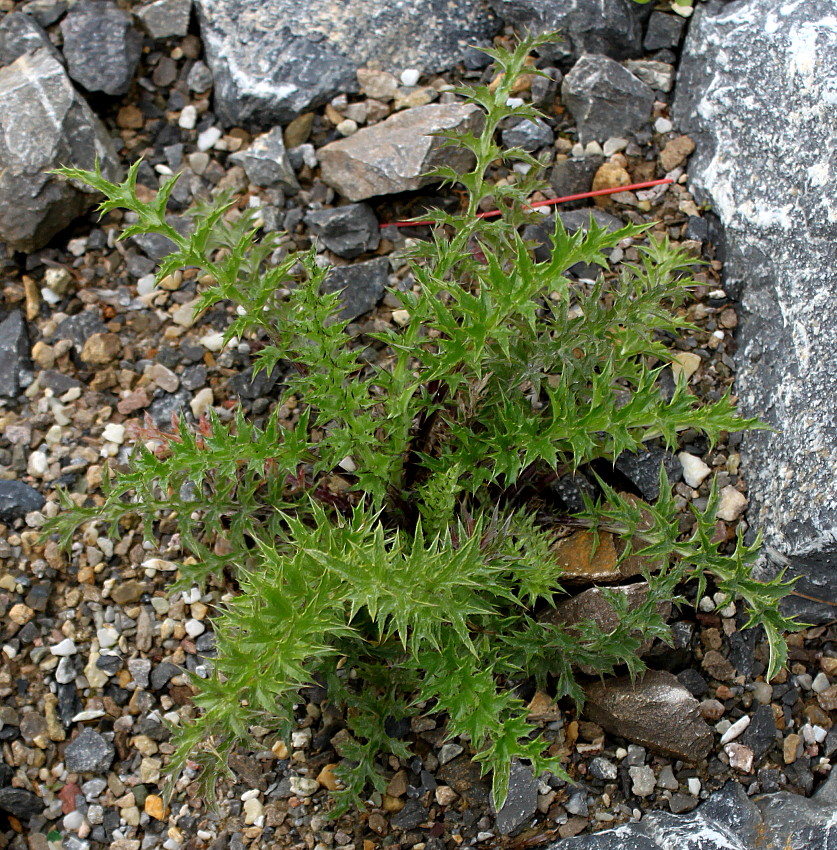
(717, 666)
(129, 118)
(790, 748)
(398, 784)
(582, 560)
(609, 176)
(593, 605)
(574, 826)
(126, 592)
(377, 823)
(298, 131)
(675, 152)
(392, 804)
(101, 349)
(828, 699)
(394, 155)
(327, 778)
(712, 709)
(655, 711)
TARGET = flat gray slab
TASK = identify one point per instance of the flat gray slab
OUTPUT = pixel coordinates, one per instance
(757, 90)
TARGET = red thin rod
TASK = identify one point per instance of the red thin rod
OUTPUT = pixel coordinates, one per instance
(549, 202)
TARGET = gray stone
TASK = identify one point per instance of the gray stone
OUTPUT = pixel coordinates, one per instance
(199, 78)
(101, 46)
(44, 123)
(266, 162)
(755, 89)
(361, 285)
(611, 27)
(573, 220)
(348, 231)
(78, 328)
(15, 365)
(605, 99)
(20, 34)
(531, 135)
(655, 710)
(45, 12)
(273, 59)
(572, 176)
(162, 674)
(21, 803)
(89, 753)
(166, 18)
(395, 155)
(664, 31)
(658, 75)
(643, 470)
(522, 800)
(17, 499)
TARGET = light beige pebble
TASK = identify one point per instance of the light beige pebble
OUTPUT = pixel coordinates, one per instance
(731, 505)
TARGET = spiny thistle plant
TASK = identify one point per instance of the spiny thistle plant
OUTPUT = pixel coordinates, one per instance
(383, 543)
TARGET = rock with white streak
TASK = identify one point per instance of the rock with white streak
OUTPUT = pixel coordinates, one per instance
(273, 59)
(756, 87)
(44, 123)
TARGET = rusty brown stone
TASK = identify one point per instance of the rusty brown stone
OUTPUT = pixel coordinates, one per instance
(655, 711)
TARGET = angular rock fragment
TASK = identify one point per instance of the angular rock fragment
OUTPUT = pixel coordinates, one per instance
(18, 499)
(101, 46)
(21, 803)
(394, 156)
(664, 31)
(347, 231)
(273, 59)
(44, 123)
(361, 286)
(655, 711)
(166, 18)
(15, 365)
(20, 34)
(522, 800)
(643, 470)
(605, 99)
(611, 27)
(266, 162)
(89, 753)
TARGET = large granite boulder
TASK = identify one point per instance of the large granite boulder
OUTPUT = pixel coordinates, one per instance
(273, 59)
(44, 123)
(757, 92)
(612, 27)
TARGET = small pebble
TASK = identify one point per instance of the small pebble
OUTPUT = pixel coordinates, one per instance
(694, 786)
(63, 649)
(736, 729)
(347, 127)
(410, 77)
(820, 683)
(663, 125)
(208, 137)
(694, 469)
(188, 118)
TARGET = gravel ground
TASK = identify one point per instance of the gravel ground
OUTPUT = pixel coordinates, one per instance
(93, 646)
